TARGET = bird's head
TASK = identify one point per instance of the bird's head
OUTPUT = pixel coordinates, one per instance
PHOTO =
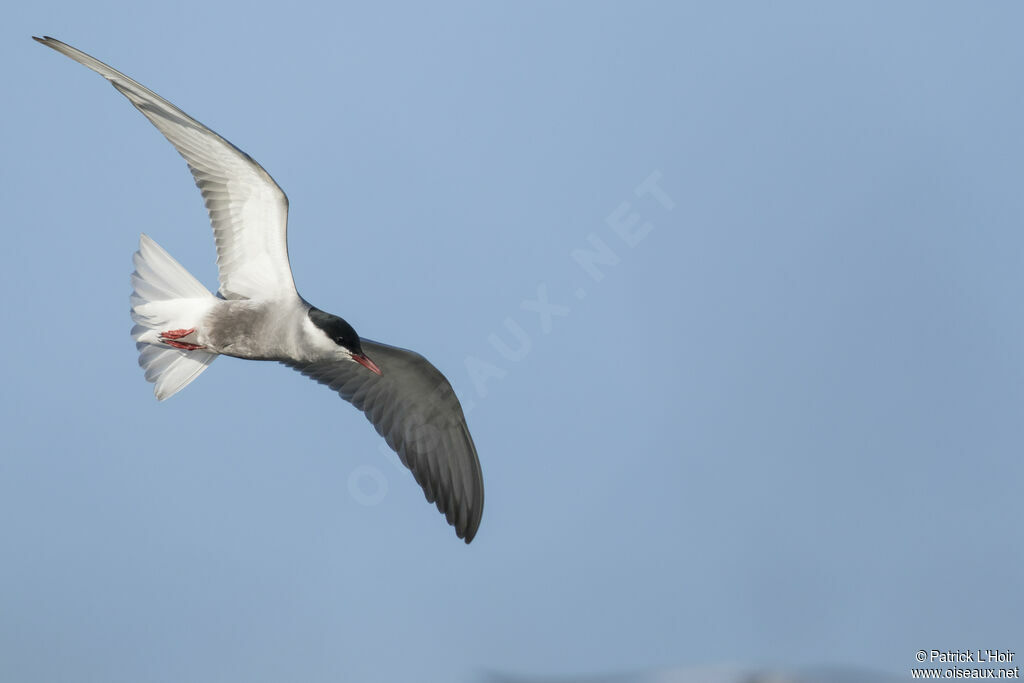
(342, 334)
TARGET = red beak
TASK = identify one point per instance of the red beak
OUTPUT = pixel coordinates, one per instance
(366, 362)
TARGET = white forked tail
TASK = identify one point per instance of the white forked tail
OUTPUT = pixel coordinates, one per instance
(166, 297)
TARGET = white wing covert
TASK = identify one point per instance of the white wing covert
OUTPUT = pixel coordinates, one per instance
(248, 210)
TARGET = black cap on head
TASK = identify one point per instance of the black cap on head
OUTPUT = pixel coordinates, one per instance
(340, 332)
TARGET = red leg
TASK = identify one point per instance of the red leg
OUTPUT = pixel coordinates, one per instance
(169, 337)
(176, 334)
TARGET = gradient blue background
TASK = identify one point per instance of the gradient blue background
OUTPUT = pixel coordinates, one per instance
(784, 429)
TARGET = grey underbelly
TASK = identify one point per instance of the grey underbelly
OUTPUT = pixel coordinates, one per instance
(246, 330)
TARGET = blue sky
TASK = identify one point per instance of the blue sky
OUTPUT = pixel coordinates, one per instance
(782, 427)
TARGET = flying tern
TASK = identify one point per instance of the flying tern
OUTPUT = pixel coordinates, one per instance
(257, 314)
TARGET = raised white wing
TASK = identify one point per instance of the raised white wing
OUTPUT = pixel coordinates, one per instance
(248, 210)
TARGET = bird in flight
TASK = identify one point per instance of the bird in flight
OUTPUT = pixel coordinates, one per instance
(257, 314)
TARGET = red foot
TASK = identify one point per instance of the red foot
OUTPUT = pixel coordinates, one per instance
(176, 334)
(169, 336)
(184, 346)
